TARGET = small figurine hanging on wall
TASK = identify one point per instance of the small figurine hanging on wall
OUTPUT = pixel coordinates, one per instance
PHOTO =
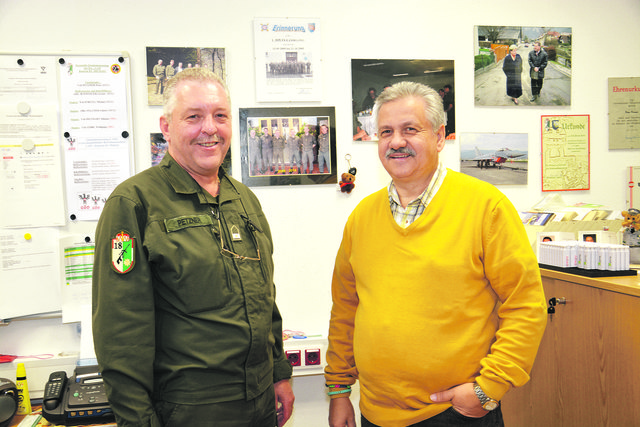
(348, 178)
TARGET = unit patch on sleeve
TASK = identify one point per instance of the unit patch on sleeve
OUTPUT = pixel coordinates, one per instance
(122, 252)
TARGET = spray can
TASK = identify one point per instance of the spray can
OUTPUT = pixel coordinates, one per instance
(24, 401)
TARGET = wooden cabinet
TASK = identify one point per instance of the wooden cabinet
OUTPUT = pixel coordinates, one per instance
(587, 372)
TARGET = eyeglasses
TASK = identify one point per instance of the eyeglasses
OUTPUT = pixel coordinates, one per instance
(228, 253)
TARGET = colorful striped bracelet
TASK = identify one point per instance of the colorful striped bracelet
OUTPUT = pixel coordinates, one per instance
(346, 390)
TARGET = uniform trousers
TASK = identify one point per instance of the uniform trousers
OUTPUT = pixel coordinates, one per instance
(259, 412)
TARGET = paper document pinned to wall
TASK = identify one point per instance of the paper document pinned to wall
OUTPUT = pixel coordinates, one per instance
(27, 259)
(95, 124)
(31, 173)
(76, 284)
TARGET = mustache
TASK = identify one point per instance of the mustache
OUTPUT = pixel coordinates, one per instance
(401, 150)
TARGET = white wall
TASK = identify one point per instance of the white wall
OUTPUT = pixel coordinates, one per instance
(307, 221)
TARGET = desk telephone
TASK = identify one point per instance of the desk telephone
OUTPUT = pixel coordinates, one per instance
(80, 399)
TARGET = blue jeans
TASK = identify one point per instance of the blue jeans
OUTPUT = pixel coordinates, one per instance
(452, 418)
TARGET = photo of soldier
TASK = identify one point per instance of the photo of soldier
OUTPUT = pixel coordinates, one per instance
(255, 153)
(159, 74)
(293, 144)
(278, 151)
(324, 148)
(162, 60)
(267, 151)
(278, 146)
(308, 144)
(170, 70)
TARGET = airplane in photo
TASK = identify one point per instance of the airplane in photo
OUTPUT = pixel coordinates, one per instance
(497, 158)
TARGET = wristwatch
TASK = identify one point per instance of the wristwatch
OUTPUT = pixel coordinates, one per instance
(488, 404)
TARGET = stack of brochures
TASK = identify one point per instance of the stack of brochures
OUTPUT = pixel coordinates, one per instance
(584, 255)
(536, 218)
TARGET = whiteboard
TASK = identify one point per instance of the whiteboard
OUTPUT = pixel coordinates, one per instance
(66, 141)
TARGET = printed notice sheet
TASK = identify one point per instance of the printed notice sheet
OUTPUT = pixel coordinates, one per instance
(29, 258)
(565, 153)
(31, 181)
(287, 58)
(624, 113)
(31, 172)
(76, 284)
(95, 125)
(27, 78)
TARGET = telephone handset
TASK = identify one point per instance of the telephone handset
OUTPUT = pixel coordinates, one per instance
(79, 400)
(53, 390)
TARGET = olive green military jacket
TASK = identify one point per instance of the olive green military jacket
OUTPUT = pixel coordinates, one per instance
(174, 318)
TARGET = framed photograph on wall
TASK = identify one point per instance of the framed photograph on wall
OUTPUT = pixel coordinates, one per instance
(497, 158)
(165, 62)
(288, 146)
(369, 77)
(288, 59)
(518, 66)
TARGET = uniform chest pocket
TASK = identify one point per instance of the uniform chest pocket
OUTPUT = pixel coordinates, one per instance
(191, 270)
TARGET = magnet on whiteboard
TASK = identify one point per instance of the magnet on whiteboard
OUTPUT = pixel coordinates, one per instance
(28, 144)
(24, 108)
(27, 236)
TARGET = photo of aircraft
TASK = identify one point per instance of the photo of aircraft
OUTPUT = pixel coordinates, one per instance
(497, 158)
(480, 153)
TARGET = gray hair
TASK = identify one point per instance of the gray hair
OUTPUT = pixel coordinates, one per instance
(198, 74)
(434, 108)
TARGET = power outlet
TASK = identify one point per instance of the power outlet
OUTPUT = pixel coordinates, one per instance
(312, 356)
(294, 357)
(306, 355)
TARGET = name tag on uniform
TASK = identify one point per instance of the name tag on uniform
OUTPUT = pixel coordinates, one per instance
(186, 221)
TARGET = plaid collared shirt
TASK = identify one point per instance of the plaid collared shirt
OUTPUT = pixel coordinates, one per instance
(405, 216)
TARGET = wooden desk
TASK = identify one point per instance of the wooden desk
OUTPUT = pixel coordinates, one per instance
(587, 372)
(44, 423)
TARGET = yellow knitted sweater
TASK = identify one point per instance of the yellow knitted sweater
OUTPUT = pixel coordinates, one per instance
(455, 297)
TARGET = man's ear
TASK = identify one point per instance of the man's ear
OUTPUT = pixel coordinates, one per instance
(441, 136)
(164, 127)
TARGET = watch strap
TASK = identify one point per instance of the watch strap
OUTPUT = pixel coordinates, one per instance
(488, 404)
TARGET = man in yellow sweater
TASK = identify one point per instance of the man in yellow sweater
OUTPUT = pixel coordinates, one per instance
(438, 306)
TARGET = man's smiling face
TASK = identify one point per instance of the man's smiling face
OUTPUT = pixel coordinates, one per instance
(199, 131)
(408, 147)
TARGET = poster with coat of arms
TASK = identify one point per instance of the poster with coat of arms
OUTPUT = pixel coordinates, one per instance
(287, 58)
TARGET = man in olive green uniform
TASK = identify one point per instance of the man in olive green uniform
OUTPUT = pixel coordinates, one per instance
(308, 144)
(278, 151)
(170, 71)
(255, 153)
(159, 73)
(185, 325)
(324, 148)
(267, 150)
(293, 144)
